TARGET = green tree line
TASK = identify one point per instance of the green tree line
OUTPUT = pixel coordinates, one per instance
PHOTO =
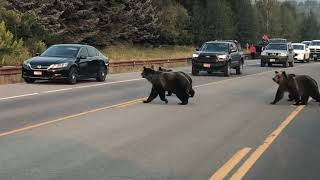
(31, 25)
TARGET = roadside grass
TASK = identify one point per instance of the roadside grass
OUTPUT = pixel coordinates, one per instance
(120, 52)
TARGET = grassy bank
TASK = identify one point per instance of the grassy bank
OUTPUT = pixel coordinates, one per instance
(116, 53)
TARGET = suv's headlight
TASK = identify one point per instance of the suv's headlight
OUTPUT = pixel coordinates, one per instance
(58, 66)
(195, 55)
(222, 56)
(283, 54)
(263, 53)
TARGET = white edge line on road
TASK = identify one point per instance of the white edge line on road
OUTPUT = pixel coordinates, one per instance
(67, 89)
(13, 97)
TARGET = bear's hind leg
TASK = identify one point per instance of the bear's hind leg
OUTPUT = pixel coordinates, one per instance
(315, 95)
(169, 93)
(183, 98)
(191, 92)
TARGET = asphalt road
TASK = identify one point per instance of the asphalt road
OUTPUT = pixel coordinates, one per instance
(100, 131)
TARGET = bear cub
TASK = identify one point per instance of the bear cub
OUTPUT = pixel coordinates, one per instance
(161, 82)
(299, 87)
(184, 74)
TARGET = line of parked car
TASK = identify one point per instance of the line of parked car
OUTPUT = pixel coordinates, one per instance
(280, 51)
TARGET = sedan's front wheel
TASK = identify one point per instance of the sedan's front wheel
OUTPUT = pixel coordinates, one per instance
(102, 74)
(72, 76)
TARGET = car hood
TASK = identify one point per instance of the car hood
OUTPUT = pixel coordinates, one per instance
(311, 47)
(49, 60)
(275, 51)
(299, 51)
(201, 53)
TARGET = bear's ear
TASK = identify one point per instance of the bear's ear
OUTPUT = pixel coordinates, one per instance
(144, 67)
(293, 75)
(160, 68)
(276, 72)
(284, 73)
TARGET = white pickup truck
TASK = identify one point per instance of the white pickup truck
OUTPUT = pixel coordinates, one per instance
(315, 50)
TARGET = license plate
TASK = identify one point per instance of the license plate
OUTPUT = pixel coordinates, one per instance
(37, 73)
(272, 60)
(315, 55)
(206, 65)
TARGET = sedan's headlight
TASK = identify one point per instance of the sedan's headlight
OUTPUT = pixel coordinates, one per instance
(26, 64)
(283, 54)
(195, 55)
(222, 56)
(263, 53)
(58, 66)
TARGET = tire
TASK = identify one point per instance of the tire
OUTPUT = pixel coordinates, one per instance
(285, 64)
(72, 76)
(263, 64)
(269, 64)
(227, 70)
(315, 59)
(102, 74)
(239, 69)
(29, 81)
(195, 72)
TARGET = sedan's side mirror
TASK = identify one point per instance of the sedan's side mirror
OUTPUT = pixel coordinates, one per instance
(37, 54)
(197, 49)
(83, 57)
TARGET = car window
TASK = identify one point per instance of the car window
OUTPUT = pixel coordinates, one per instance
(298, 47)
(61, 51)
(277, 47)
(92, 52)
(84, 52)
(215, 47)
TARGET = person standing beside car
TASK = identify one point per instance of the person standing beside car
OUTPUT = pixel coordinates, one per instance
(253, 51)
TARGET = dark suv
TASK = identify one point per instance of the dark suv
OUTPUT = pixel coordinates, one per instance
(218, 56)
(69, 62)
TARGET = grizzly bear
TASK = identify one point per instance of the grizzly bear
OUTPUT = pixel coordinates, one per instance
(299, 87)
(192, 92)
(167, 81)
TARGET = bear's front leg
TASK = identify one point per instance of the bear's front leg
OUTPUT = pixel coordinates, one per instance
(278, 97)
(152, 96)
(162, 94)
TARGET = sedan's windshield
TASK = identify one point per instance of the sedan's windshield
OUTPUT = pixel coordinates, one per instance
(298, 47)
(61, 51)
(315, 43)
(215, 47)
(282, 47)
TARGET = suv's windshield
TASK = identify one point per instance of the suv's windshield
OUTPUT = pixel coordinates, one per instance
(315, 43)
(277, 47)
(298, 47)
(215, 47)
(61, 51)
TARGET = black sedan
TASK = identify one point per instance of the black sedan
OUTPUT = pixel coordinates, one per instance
(69, 62)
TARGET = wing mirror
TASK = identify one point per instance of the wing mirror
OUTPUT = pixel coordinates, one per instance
(197, 49)
(37, 54)
(83, 57)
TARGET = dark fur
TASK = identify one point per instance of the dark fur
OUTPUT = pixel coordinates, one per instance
(191, 91)
(167, 81)
(300, 88)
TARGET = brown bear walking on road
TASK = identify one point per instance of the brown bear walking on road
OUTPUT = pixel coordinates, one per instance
(300, 88)
(161, 82)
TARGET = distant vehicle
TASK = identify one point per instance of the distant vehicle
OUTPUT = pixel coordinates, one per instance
(217, 56)
(315, 49)
(69, 62)
(301, 52)
(278, 53)
(277, 40)
(307, 43)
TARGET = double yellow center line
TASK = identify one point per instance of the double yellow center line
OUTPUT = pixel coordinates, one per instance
(252, 159)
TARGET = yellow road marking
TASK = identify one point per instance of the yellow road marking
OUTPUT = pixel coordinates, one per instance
(66, 118)
(227, 167)
(247, 165)
(130, 103)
